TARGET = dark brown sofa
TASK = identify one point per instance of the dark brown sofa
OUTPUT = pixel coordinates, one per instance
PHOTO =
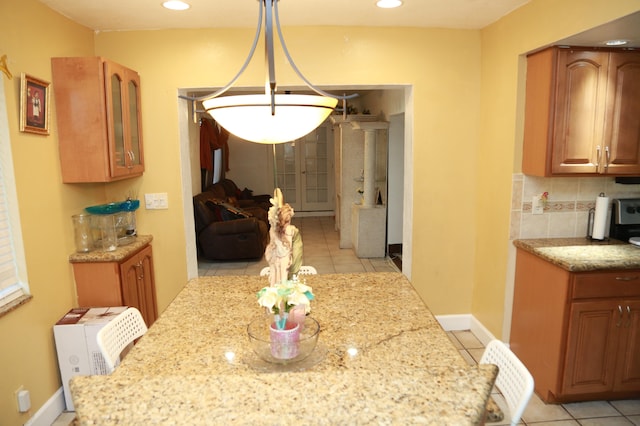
(227, 190)
(227, 231)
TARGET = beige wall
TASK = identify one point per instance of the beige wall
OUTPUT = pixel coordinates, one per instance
(504, 43)
(442, 65)
(30, 35)
(457, 269)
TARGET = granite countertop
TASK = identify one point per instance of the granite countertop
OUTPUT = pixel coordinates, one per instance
(381, 358)
(582, 254)
(117, 255)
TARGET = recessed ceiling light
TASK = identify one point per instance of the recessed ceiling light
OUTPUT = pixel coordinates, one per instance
(616, 42)
(389, 4)
(176, 5)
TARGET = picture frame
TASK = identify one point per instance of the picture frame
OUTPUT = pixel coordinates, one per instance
(34, 105)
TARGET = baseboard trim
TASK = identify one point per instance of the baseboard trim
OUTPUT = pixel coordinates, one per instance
(465, 322)
(455, 322)
(50, 411)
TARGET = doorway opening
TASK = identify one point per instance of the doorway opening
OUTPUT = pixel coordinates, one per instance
(254, 171)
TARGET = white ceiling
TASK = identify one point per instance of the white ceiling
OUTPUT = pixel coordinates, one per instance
(115, 15)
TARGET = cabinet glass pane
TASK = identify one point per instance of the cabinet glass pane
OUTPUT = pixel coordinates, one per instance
(133, 123)
(116, 110)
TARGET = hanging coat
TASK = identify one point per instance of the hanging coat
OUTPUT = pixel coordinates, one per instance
(212, 137)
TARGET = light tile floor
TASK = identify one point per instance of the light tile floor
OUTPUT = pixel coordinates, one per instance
(614, 413)
(321, 249)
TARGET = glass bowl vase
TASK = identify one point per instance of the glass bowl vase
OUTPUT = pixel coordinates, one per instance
(298, 342)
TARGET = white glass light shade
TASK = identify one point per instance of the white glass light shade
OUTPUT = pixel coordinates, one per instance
(249, 116)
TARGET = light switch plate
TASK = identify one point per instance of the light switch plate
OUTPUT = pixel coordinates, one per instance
(156, 201)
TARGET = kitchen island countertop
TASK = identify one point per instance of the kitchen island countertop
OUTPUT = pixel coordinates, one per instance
(382, 358)
(582, 254)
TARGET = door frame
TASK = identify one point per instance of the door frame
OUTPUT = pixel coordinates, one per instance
(185, 119)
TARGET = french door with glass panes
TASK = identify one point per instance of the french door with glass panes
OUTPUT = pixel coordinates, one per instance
(304, 170)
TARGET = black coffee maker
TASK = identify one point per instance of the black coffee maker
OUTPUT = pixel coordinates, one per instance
(625, 219)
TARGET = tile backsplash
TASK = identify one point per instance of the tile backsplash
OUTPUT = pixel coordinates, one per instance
(567, 207)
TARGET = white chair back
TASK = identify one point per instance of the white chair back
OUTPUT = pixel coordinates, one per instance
(514, 380)
(307, 270)
(304, 270)
(118, 333)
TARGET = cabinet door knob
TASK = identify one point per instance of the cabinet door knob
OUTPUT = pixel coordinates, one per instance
(628, 324)
(598, 156)
(607, 153)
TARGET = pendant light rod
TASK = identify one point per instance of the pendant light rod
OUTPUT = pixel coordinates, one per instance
(244, 66)
(271, 7)
(269, 56)
(295, 68)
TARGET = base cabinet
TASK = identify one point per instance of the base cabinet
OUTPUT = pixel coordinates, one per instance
(577, 332)
(129, 282)
(603, 338)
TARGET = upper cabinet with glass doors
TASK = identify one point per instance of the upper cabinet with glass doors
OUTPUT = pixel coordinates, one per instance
(98, 115)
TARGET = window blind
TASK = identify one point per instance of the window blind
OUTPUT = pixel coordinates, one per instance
(13, 283)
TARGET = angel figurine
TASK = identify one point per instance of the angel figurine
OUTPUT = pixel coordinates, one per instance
(284, 251)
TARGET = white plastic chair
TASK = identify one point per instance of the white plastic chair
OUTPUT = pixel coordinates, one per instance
(118, 333)
(304, 270)
(514, 380)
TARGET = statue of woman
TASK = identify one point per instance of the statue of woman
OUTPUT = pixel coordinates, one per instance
(284, 251)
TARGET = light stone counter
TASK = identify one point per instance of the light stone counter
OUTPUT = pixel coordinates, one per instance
(382, 358)
(583, 255)
(117, 255)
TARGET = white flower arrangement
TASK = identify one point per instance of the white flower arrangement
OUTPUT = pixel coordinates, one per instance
(281, 298)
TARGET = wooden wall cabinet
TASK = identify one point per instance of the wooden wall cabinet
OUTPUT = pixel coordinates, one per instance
(129, 282)
(581, 113)
(578, 333)
(98, 115)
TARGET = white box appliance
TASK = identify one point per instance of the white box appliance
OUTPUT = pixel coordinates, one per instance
(76, 344)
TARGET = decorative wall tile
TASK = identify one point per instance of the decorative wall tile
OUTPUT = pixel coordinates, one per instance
(567, 209)
(562, 225)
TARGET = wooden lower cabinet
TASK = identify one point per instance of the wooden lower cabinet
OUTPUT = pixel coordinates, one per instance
(577, 332)
(129, 282)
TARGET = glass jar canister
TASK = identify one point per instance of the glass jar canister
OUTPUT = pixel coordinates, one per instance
(106, 227)
(82, 232)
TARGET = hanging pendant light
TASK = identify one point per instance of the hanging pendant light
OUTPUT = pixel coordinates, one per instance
(270, 118)
(250, 117)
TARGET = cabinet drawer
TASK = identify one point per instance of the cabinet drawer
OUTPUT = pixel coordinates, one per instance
(606, 284)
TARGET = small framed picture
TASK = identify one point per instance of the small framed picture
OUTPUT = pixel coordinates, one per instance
(34, 105)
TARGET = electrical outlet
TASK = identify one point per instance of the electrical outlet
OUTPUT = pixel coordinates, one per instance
(23, 399)
(537, 205)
